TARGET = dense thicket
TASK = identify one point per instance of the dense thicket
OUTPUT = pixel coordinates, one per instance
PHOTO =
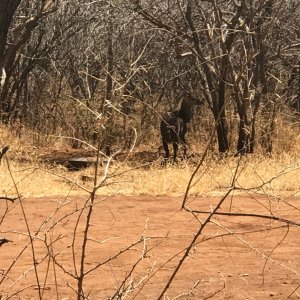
(91, 69)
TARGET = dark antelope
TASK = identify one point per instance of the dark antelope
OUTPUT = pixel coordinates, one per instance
(173, 128)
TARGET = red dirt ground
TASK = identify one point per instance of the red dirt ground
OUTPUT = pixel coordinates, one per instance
(220, 266)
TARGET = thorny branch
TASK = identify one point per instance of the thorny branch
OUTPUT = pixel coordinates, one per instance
(254, 249)
(34, 257)
(203, 225)
(231, 214)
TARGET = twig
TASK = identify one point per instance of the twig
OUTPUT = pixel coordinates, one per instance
(35, 263)
(212, 136)
(203, 225)
(120, 291)
(256, 250)
(11, 199)
(113, 257)
(231, 214)
(274, 248)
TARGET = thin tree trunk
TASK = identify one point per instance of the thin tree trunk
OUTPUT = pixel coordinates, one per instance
(7, 10)
(110, 63)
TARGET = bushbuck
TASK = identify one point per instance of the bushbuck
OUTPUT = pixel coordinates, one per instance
(173, 128)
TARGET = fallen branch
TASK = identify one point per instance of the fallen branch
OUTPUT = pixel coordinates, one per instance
(12, 199)
(231, 214)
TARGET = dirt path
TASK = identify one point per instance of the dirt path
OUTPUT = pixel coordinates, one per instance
(221, 265)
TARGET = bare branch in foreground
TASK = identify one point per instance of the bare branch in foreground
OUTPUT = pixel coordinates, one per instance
(202, 226)
(231, 214)
(254, 249)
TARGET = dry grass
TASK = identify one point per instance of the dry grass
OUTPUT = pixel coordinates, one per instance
(276, 175)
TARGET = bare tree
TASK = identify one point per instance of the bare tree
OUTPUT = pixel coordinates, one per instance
(239, 56)
(7, 10)
(21, 31)
(234, 53)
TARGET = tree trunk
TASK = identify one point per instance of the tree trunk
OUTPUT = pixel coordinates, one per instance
(220, 118)
(243, 145)
(222, 136)
(7, 10)
(110, 62)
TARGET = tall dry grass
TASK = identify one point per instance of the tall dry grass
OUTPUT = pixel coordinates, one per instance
(275, 174)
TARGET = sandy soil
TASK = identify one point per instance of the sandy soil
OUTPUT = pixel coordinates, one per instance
(234, 258)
